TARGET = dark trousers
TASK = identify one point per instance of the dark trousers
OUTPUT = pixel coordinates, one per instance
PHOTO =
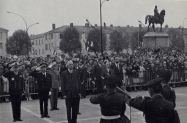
(72, 105)
(99, 86)
(54, 98)
(83, 90)
(16, 106)
(43, 100)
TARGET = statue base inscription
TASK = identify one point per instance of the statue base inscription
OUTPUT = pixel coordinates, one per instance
(154, 39)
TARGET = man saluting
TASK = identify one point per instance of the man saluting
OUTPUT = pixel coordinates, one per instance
(155, 108)
(44, 83)
(15, 79)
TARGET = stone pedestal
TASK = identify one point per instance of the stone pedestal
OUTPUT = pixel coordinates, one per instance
(153, 39)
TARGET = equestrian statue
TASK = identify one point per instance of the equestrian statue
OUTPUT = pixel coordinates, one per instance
(156, 19)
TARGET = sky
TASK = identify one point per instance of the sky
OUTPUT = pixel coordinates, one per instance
(64, 12)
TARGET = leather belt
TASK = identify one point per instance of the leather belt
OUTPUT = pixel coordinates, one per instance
(110, 117)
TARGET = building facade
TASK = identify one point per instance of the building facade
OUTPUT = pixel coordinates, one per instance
(3, 39)
(48, 42)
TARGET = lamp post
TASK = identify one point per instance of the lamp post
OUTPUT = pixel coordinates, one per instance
(27, 27)
(183, 25)
(101, 3)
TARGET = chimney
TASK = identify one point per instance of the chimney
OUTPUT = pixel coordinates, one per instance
(127, 25)
(111, 25)
(53, 26)
(104, 25)
(71, 24)
(95, 24)
(86, 24)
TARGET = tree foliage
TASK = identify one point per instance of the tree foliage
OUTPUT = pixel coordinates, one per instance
(141, 34)
(117, 43)
(127, 40)
(133, 43)
(70, 40)
(95, 36)
(176, 39)
(19, 43)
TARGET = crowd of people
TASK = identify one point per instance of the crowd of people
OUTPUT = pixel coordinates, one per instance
(132, 70)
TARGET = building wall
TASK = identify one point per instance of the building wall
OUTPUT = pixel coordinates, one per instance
(3, 38)
(38, 47)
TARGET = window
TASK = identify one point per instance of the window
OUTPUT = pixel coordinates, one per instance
(36, 42)
(42, 41)
(39, 41)
(51, 36)
(46, 47)
(42, 51)
(39, 51)
(1, 45)
(1, 35)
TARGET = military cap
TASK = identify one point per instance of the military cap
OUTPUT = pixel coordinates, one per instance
(111, 80)
(154, 82)
(43, 64)
(14, 64)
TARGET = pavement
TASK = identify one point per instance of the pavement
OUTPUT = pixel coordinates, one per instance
(89, 113)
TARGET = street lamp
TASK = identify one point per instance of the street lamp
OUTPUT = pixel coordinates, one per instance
(90, 24)
(101, 3)
(26, 27)
(183, 25)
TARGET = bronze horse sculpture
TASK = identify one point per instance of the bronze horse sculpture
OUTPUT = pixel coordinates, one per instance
(153, 20)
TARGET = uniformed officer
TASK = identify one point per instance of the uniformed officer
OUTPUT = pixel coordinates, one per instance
(55, 74)
(44, 83)
(155, 108)
(167, 92)
(112, 103)
(16, 89)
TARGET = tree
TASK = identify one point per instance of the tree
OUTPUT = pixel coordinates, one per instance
(70, 40)
(95, 37)
(127, 39)
(133, 43)
(19, 43)
(141, 34)
(117, 41)
(176, 39)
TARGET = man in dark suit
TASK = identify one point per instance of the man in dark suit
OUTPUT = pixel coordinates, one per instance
(70, 87)
(62, 69)
(106, 72)
(167, 92)
(44, 83)
(97, 69)
(117, 67)
(15, 79)
(155, 108)
(82, 79)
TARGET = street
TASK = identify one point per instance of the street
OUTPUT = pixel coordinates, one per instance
(89, 113)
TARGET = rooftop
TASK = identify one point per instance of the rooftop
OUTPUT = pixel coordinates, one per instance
(36, 36)
(3, 30)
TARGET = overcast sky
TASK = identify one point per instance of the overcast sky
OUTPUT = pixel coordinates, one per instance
(64, 12)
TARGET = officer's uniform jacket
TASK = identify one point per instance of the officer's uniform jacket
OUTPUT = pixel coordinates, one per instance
(44, 82)
(168, 93)
(55, 75)
(156, 109)
(15, 82)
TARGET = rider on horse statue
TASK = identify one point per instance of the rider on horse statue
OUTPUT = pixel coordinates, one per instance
(156, 14)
